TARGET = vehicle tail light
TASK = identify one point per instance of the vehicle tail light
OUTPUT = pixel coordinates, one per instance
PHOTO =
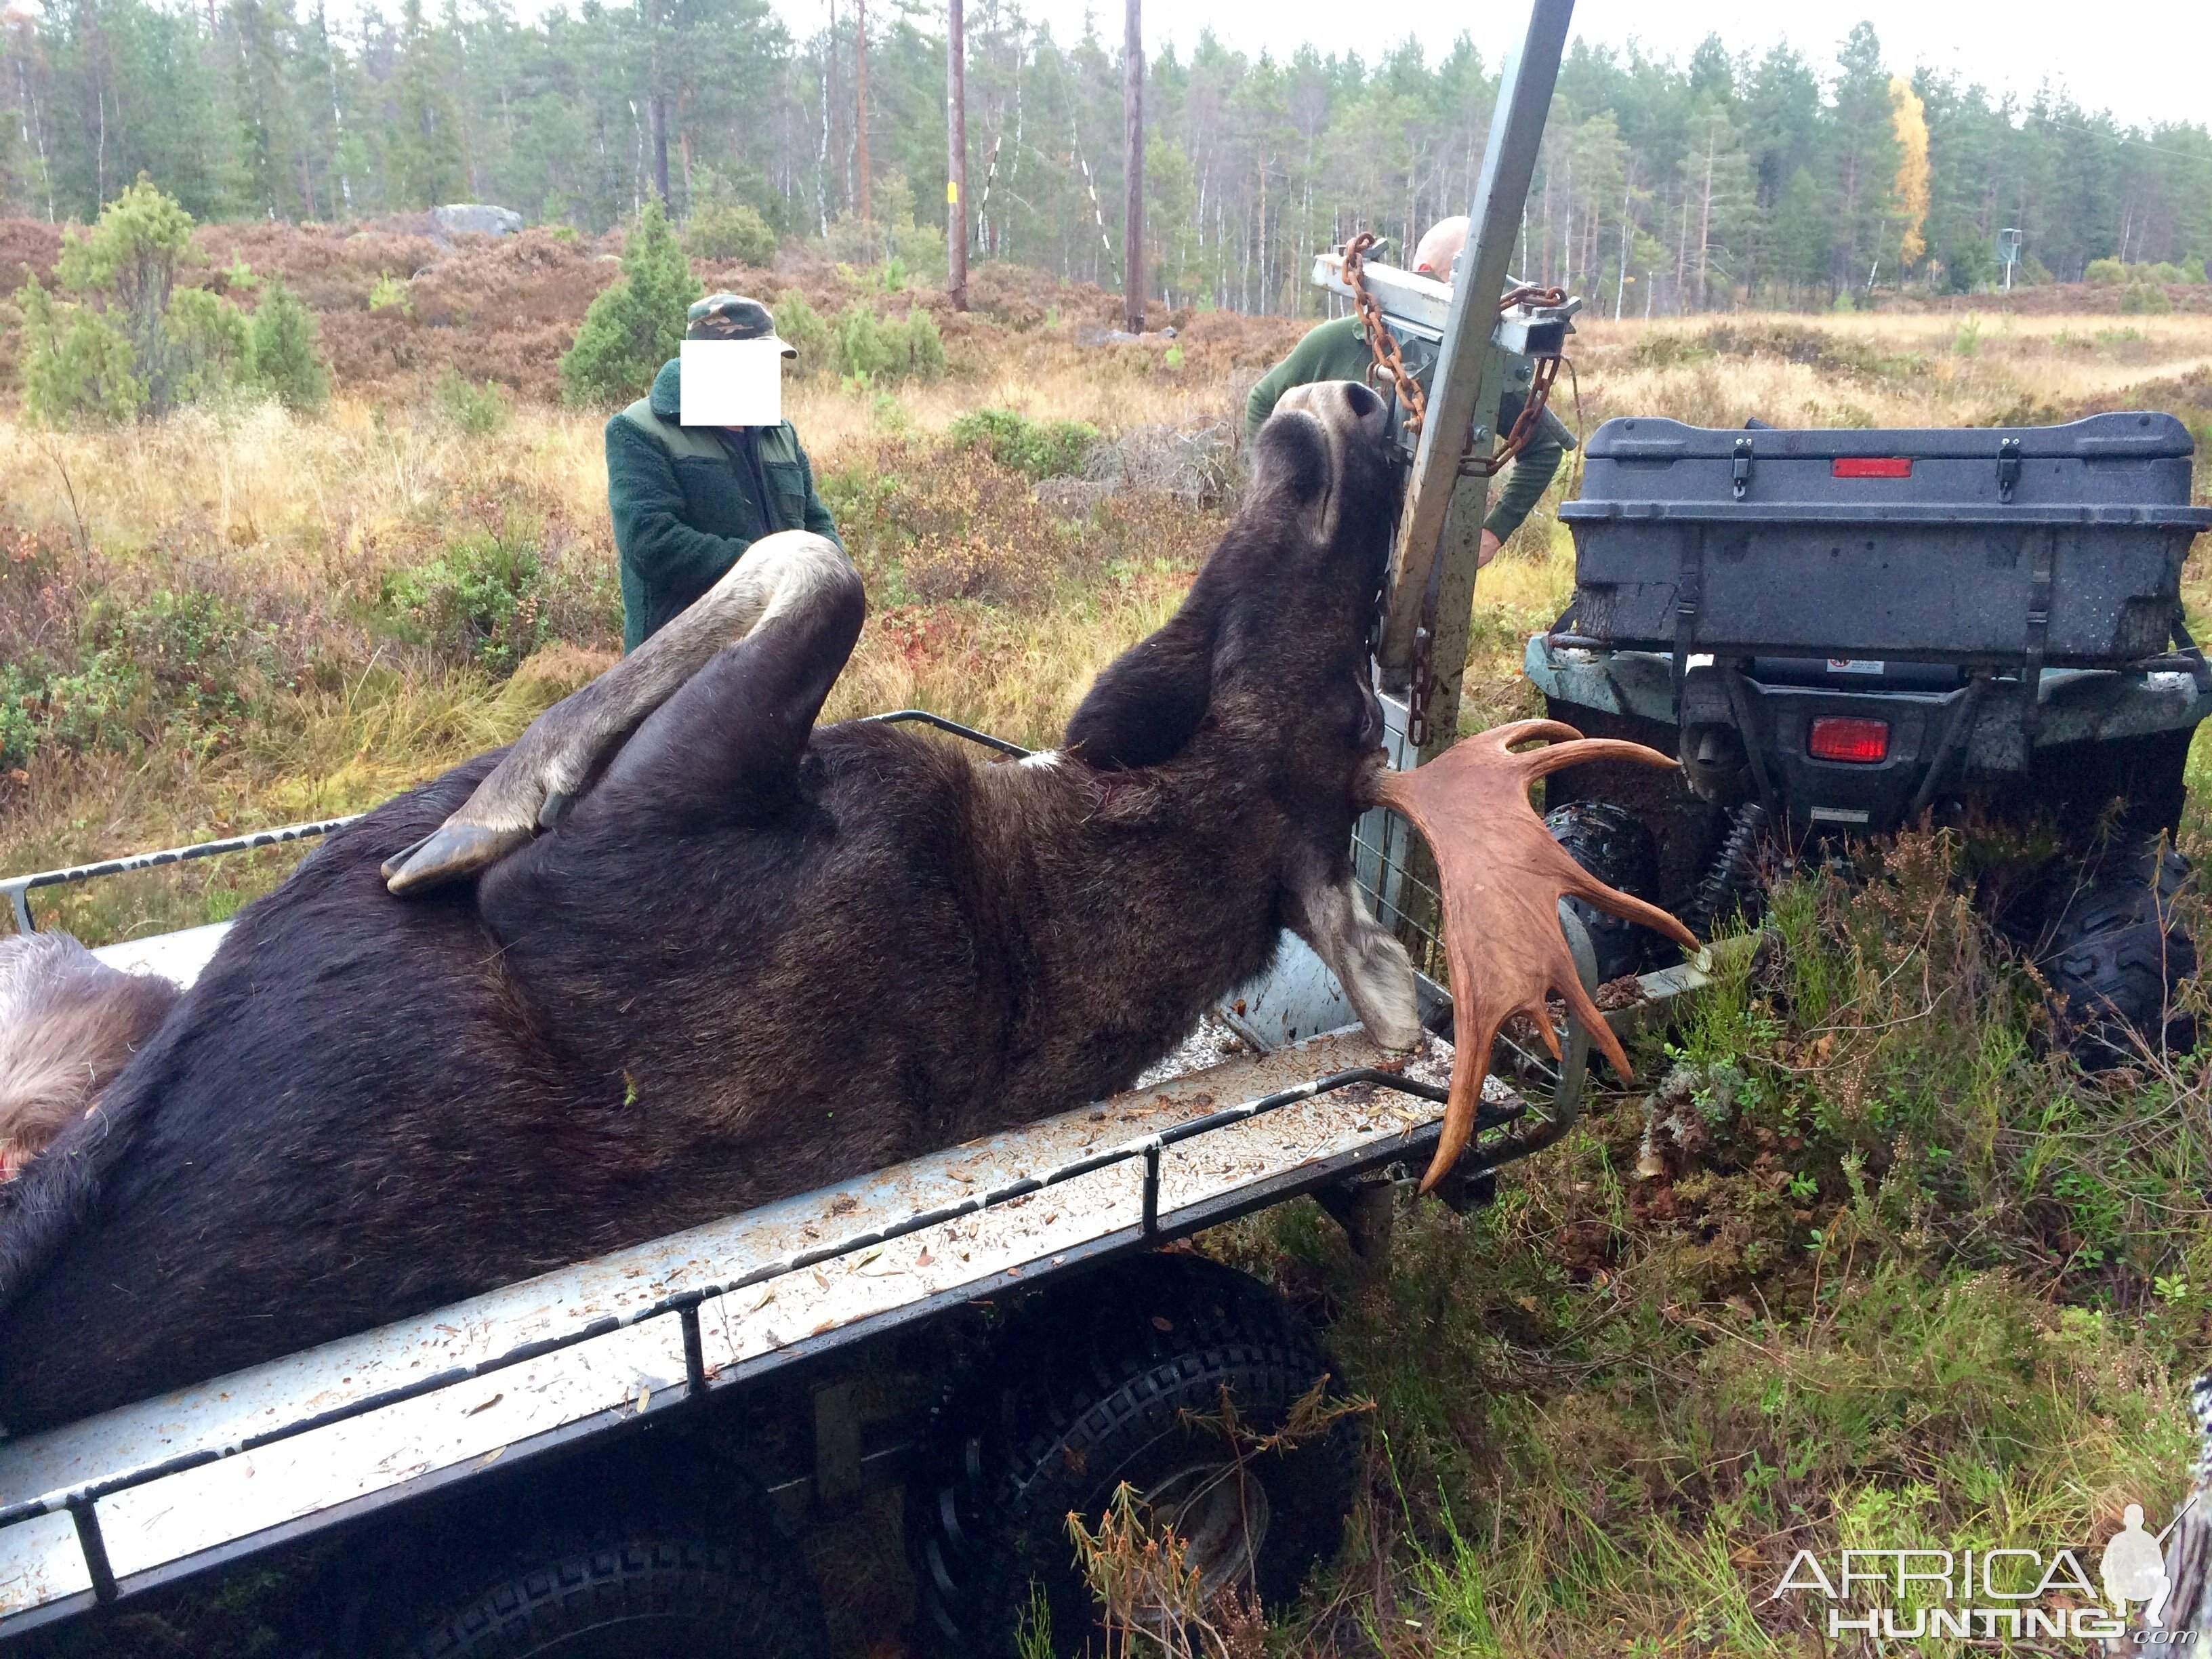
(1846, 737)
(1871, 466)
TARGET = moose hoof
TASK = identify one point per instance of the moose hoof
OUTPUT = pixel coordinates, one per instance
(453, 851)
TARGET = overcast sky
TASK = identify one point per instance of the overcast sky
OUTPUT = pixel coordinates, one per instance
(2147, 62)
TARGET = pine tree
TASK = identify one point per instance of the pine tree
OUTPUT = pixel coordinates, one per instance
(1866, 160)
(424, 157)
(248, 108)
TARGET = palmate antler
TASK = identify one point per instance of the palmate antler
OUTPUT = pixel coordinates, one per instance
(1501, 877)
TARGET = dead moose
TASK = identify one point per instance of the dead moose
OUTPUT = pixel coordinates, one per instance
(678, 951)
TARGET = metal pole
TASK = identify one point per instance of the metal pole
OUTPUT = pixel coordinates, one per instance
(1132, 117)
(956, 155)
(1440, 531)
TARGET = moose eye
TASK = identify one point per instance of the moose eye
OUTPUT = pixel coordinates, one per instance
(1366, 715)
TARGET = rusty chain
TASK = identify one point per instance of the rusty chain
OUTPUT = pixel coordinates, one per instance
(1546, 371)
(1381, 342)
(1472, 465)
(1383, 346)
(1417, 688)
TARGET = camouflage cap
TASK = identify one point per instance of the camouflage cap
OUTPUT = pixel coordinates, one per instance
(733, 316)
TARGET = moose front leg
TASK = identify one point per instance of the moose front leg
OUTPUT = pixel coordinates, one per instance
(792, 574)
(1326, 909)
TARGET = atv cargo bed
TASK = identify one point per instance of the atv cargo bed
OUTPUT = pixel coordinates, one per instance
(2022, 547)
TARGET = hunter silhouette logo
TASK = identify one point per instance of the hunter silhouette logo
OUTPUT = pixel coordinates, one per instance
(2134, 1564)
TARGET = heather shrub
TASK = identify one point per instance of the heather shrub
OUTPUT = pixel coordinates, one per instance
(168, 663)
(483, 599)
(19, 723)
(1035, 448)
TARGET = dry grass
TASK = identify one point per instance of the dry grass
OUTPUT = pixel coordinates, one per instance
(302, 519)
(1914, 369)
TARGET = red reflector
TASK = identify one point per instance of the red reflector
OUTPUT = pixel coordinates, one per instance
(1871, 466)
(1841, 738)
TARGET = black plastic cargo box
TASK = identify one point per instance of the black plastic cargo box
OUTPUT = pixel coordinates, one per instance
(2058, 544)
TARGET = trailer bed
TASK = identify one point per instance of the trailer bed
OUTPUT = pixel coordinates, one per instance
(150, 1493)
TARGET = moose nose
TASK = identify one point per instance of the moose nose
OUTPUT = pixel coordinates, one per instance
(1365, 403)
(1342, 405)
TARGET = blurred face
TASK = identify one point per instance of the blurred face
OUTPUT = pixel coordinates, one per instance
(732, 383)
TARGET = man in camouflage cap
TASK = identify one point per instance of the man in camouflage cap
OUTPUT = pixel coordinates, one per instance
(687, 501)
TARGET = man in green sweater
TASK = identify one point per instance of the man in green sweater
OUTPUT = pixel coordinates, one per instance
(1338, 350)
(687, 501)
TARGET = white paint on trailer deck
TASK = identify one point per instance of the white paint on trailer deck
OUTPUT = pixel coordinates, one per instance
(40, 1562)
(179, 956)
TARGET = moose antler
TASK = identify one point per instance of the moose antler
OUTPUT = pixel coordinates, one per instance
(1501, 877)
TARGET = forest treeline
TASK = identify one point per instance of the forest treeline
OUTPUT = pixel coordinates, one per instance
(1726, 180)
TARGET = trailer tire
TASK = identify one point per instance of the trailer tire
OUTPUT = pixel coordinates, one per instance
(2112, 951)
(1102, 1387)
(686, 1598)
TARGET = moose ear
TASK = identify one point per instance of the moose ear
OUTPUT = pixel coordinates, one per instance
(1144, 706)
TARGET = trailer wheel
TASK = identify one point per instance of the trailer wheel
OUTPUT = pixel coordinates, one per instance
(2112, 950)
(642, 1597)
(1123, 1380)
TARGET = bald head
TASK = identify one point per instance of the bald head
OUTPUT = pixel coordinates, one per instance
(1440, 246)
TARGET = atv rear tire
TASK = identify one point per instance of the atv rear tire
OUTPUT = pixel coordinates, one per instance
(1612, 843)
(2112, 951)
(1123, 1381)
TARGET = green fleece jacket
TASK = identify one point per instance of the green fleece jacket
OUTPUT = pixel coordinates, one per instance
(1337, 350)
(687, 501)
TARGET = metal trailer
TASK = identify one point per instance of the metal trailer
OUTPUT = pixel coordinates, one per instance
(616, 1441)
(784, 1312)
(813, 1342)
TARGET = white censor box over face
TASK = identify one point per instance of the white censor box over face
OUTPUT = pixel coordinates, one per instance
(732, 383)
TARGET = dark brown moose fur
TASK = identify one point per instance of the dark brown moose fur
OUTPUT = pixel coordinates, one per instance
(756, 957)
(68, 1023)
